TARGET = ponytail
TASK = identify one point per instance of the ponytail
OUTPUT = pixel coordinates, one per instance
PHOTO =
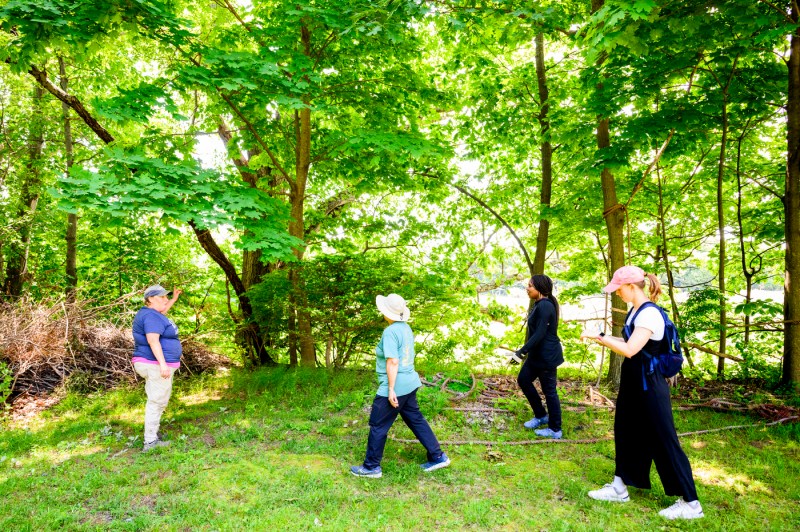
(655, 287)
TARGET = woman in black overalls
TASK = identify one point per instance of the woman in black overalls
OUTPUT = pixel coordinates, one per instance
(644, 431)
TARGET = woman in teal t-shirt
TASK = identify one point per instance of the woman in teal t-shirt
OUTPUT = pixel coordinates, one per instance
(398, 382)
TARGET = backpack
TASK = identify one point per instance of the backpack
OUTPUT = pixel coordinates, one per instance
(669, 363)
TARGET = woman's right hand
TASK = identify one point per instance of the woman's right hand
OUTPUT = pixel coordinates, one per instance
(165, 373)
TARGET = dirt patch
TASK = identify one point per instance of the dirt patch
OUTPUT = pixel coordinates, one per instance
(27, 406)
(98, 519)
(145, 502)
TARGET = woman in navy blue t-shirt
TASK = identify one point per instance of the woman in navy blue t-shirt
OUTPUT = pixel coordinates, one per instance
(156, 356)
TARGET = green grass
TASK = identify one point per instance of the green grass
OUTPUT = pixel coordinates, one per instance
(271, 450)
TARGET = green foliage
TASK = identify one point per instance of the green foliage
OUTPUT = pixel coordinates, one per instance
(6, 383)
(340, 292)
(180, 190)
(760, 356)
(499, 312)
(700, 313)
(405, 99)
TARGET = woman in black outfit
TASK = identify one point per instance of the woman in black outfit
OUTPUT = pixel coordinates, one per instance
(644, 431)
(544, 355)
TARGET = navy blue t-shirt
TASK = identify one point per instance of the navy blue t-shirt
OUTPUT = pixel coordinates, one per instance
(149, 320)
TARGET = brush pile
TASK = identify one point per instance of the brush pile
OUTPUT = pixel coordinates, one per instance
(47, 344)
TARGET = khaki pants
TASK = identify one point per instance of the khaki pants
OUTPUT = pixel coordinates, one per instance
(158, 391)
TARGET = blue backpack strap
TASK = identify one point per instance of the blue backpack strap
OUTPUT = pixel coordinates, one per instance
(648, 358)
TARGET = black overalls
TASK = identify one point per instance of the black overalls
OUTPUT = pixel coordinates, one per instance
(644, 431)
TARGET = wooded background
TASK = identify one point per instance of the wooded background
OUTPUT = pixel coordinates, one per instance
(283, 162)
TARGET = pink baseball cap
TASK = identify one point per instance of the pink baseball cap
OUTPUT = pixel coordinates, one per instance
(625, 275)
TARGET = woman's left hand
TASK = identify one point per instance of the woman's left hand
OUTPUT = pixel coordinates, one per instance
(393, 399)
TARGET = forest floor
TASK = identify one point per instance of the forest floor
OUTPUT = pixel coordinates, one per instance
(271, 450)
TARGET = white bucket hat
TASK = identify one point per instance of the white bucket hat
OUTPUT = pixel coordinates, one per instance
(393, 307)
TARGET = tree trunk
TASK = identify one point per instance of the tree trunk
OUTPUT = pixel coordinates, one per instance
(614, 215)
(17, 260)
(668, 268)
(748, 271)
(329, 351)
(292, 326)
(547, 156)
(791, 206)
(723, 313)
(71, 267)
(250, 332)
(297, 224)
(297, 229)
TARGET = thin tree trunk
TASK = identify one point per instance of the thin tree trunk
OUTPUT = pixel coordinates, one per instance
(667, 267)
(329, 351)
(292, 326)
(751, 271)
(614, 215)
(547, 156)
(17, 261)
(71, 267)
(791, 206)
(723, 312)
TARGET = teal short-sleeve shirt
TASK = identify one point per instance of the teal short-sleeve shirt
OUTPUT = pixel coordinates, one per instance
(397, 342)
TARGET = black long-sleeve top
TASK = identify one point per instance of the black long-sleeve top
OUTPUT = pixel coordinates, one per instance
(543, 346)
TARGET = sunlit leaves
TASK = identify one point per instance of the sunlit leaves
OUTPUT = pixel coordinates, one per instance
(180, 190)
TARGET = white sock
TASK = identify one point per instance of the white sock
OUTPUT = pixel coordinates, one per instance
(619, 486)
(694, 504)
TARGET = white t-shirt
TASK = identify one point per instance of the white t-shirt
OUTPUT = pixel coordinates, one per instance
(650, 318)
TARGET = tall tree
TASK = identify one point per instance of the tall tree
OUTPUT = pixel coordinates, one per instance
(71, 268)
(791, 206)
(30, 188)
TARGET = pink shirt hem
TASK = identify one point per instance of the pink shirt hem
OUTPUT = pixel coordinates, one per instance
(134, 360)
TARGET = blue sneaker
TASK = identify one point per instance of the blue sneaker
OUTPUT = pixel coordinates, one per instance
(549, 433)
(361, 471)
(536, 422)
(444, 461)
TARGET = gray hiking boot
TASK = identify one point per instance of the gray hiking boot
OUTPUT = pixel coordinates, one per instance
(148, 446)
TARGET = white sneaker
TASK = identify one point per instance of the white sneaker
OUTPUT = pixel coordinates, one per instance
(682, 510)
(610, 493)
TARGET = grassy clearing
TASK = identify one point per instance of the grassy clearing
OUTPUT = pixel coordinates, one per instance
(270, 450)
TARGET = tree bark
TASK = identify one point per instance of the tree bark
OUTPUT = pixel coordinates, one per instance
(723, 314)
(791, 206)
(17, 260)
(71, 263)
(614, 215)
(748, 271)
(297, 224)
(546, 150)
(667, 266)
(250, 331)
(74, 103)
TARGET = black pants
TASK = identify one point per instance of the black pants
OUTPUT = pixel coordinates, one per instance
(381, 420)
(548, 378)
(644, 432)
